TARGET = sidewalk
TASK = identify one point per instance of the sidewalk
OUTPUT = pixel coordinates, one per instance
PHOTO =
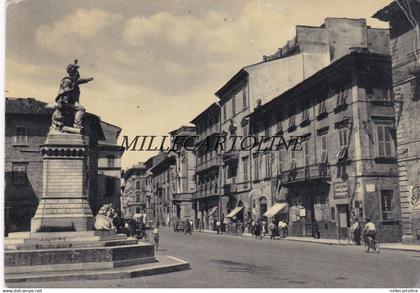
(386, 246)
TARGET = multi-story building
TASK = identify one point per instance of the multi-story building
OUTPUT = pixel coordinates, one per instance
(207, 168)
(150, 188)
(312, 49)
(109, 168)
(404, 18)
(134, 199)
(163, 187)
(182, 180)
(27, 127)
(344, 163)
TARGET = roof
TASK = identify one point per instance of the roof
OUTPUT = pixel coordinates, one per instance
(210, 108)
(386, 13)
(26, 106)
(315, 78)
(183, 128)
(31, 106)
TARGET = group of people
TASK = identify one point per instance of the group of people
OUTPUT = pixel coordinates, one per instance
(369, 230)
(260, 228)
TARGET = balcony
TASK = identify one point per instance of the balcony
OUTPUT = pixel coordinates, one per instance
(230, 186)
(231, 156)
(210, 163)
(312, 172)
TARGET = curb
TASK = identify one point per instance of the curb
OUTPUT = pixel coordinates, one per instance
(384, 247)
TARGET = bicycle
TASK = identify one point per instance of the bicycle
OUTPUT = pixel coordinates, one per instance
(371, 243)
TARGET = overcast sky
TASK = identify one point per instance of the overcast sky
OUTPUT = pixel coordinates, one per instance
(156, 64)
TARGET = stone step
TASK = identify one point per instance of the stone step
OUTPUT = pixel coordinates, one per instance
(165, 264)
(73, 244)
(80, 266)
(68, 234)
(52, 256)
(41, 240)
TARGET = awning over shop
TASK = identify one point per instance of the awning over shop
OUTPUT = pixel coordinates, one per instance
(275, 209)
(213, 211)
(234, 212)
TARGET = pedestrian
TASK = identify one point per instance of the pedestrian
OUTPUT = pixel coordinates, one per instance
(253, 223)
(191, 225)
(258, 230)
(157, 223)
(356, 231)
(282, 228)
(264, 228)
(218, 227)
(272, 229)
(156, 237)
(315, 230)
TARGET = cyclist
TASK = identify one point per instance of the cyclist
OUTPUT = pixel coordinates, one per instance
(370, 231)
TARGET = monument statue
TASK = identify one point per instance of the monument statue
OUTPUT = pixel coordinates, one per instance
(68, 113)
(104, 218)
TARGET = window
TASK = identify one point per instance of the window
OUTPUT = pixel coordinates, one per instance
(387, 202)
(224, 112)
(322, 108)
(267, 165)
(279, 126)
(342, 97)
(233, 106)
(256, 168)
(19, 171)
(292, 121)
(306, 153)
(266, 128)
(138, 199)
(324, 152)
(110, 161)
(244, 98)
(305, 115)
(280, 159)
(109, 187)
(245, 167)
(377, 94)
(384, 141)
(21, 136)
(332, 213)
(292, 160)
(137, 184)
(343, 141)
(138, 210)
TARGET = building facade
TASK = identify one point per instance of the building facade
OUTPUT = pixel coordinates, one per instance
(312, 49)
(207, 170)
(182, 178)
(109, 168)
(134, 198)
(341, 123)
(27, 127)
(404, 18)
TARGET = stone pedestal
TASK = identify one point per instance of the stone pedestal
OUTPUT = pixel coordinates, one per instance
(64, 205)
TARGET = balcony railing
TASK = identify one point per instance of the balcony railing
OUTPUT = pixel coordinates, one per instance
(214, 161)
(311, 172)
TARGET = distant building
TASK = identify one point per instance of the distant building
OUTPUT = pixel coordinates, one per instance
(207, 168)
(405, 53)
(134, 199)
(162, 188)
(27, 126)
(345, 163)
(182, 179)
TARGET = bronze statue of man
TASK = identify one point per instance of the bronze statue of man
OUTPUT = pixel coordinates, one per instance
(67, 99)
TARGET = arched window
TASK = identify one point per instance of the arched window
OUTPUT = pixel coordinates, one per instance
(263, 206)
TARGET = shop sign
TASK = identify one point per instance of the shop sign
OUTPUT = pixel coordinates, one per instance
(341, 190)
